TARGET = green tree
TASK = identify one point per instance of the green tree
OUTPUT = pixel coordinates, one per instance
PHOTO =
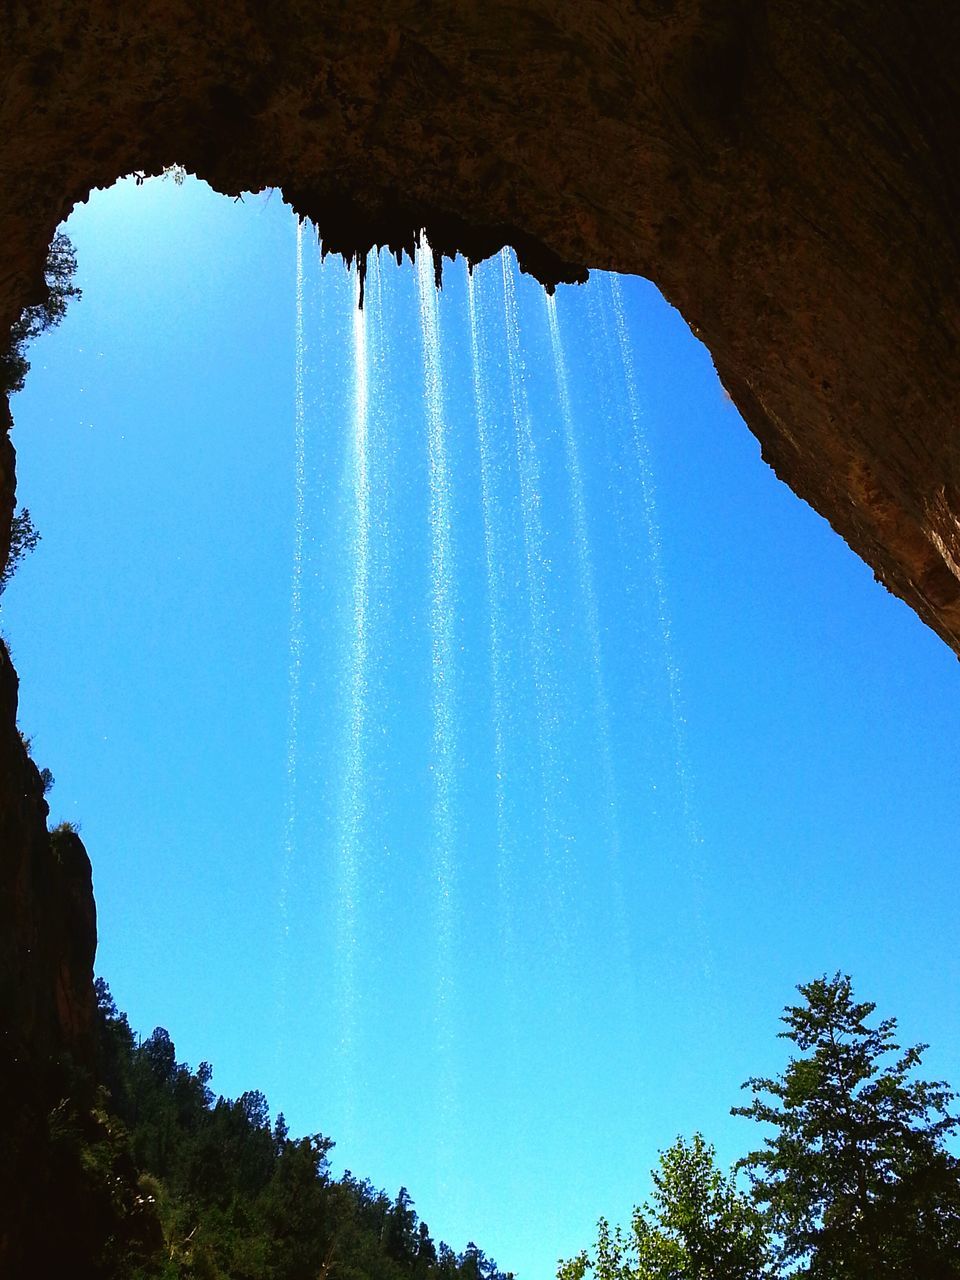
(699, 1226)
(855, 1176)
(426, 1251)
(60, 269)
(24, 537)
(398, 1234)
(61, 266)
(222, 1193)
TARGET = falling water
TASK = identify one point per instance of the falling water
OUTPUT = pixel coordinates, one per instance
(608, 365)
(588, 594)
(381, 443)
(506, 872)
(295, 667)
(353, 802)
(409, 581)
(655, 559)
(443, 675)
(557, 869)
(380, 446)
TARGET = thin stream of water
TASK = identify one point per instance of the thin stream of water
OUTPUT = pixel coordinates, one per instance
(295, 664)
(557, 869)
(462, 796)
(692, 832)
(588, 593)
(443, 669)
(494, 559)
(353, 810)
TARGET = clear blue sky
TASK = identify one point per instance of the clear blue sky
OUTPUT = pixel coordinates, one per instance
(768, 739)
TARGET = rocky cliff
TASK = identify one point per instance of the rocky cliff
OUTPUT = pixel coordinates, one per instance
(48, 926)
(787, 171)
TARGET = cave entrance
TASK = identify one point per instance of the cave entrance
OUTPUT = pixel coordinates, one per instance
(157, 450)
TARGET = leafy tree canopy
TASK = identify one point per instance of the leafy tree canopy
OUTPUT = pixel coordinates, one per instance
(855, 1178)
(698, 1226)
(226, 1195)
(59, 288)
(61, 267)
(24, 538)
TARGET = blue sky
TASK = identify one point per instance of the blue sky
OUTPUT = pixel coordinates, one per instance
(770, 793)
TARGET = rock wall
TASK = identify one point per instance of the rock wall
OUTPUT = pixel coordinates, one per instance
(48, 928)
(48, 937)
(786, 170)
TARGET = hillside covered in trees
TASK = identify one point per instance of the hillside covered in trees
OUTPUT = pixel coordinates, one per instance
(179, 1183)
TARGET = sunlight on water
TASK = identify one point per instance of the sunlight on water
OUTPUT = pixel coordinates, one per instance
(296, 645)
(694, 838)
(379, 426)
(610, 826)
(472, 798)
(494, 563)
(556, 856)
(444, 675)
(354, 798)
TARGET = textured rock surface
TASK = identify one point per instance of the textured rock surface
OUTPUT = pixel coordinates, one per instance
(49, 931)
(787, 172)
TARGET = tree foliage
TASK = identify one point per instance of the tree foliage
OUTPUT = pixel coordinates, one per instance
(59, 272)
(235, 1197)
(24, 538)
(61, 267)
(855, 1178)
(698, 1226)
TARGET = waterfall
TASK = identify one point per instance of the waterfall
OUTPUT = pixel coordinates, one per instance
(460, 667)
(295, 662)
(379, 434)
(694, 839)
(378, 363)
(557, 868)
(493, 558)
(353, 808)
(443, 673)
(588, 594)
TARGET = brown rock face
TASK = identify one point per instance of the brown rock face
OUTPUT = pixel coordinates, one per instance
(786, 170)
(48, 926)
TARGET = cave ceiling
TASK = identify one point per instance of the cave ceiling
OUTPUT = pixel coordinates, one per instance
(786, 173)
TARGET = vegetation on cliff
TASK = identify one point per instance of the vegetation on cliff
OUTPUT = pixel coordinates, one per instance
(180, 1183)
(59, 272)
(24, 538)
(59, 288)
